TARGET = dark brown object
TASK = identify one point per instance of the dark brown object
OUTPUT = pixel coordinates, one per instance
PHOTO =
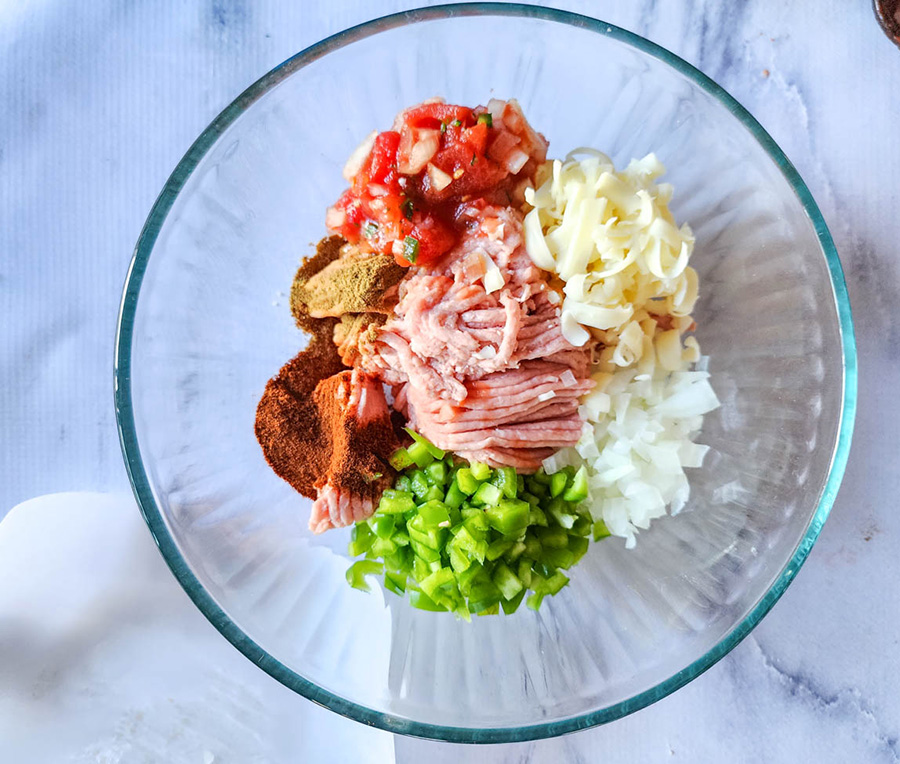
(888, 14)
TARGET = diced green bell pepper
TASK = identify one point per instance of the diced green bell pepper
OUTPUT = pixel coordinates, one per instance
(578, 489)
(435, 514)
(437, 473)
(466, 481)
(396, 502)
(480, 470)
(558, 483)
(487, 494)
(361, 539)
(420, 454)
(436, 452)
(357, 572)
(506, 480)
(600, 530)
(509, 516)
(506, 581)
(454, 496)
(420, 600)
(395, 582)
(512, 605)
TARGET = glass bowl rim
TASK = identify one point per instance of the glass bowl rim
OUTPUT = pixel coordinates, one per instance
(153, 516)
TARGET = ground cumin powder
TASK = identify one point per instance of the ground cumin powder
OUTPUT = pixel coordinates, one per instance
(340, 281)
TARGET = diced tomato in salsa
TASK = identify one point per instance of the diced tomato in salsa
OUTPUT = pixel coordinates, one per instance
(412, 215)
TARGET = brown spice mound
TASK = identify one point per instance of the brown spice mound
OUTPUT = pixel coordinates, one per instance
(361, 440)
(344, 281)
(309, 432)
(295, 438)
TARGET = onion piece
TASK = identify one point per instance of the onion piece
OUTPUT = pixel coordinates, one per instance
(417, 148)
(439, 179)
(515, 161)
(358, 157)
(493, 277)
(334, 218)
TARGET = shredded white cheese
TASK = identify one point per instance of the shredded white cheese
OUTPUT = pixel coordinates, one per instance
(611, 238)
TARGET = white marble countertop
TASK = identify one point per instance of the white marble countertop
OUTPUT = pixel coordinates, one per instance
(99, 100)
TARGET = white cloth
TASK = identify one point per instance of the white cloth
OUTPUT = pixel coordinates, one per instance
(103, 658)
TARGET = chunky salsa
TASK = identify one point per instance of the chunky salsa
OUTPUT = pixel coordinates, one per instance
(406, 183)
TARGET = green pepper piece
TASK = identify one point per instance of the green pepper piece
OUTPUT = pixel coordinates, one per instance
(558, 558)
(485, 119)
(578, 546)
(420, 569)
(395, 582)
(466, 481)
(524, 572)
(555, 538)
(511, 606)
(381, 547)
(536, 516)
(532, 546)
(534, 601)
(470, 576)
(558, 483)
(537, 489)
(506, 581)
(509, 516)
(357, 572)
(487, 494)
(578, 490)
(500, 547)
(581, 526)
(402, 484)
(431, 584)
(384, 526)
(400, 459)
(559, 511)
(475, 549)
(505, 479)
(483, 608)
(600, 530)
(437, 472)
(455, 496)
(459, 560)
(419, 453)
(419, 483)
(361, 539)
(541, 477)
(436, 452)
(480, 470)
(398, 502)
(420, 600)
(516, 552)
(476, 522)
(435, 514)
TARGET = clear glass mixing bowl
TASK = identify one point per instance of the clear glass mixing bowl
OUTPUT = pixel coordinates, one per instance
(205, 322)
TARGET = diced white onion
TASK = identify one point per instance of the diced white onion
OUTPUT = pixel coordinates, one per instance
(439, 179)
(417, 148)
(485, 353)
(358, 156)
